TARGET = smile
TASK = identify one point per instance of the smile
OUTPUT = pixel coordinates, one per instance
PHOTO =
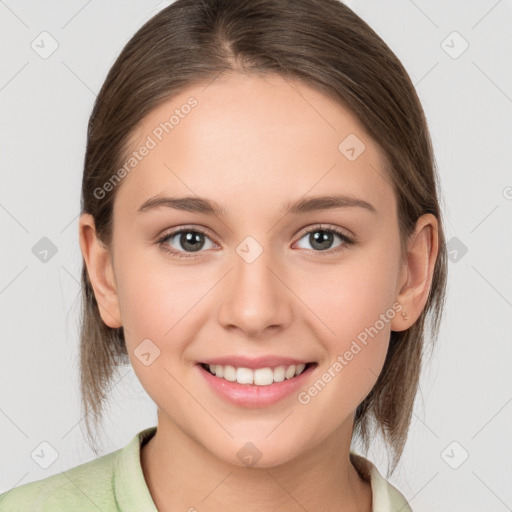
(258, 387)
(258, 377)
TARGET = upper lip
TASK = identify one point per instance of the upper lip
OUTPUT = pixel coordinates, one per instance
(254, 362)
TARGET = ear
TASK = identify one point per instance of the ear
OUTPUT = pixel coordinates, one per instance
(416, 274)
(98, 261)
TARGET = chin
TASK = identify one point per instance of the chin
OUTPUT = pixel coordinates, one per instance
(256, 451)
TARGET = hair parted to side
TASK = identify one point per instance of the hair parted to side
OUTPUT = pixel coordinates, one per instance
(323, 44)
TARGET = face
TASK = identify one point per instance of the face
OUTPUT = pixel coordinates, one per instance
(257, 278)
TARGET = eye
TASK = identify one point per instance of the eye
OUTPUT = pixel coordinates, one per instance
(321, 239)
(181, 241)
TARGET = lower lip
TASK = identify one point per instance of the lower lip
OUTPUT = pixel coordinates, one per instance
(252, 396)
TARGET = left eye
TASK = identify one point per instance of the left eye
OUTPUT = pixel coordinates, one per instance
(323, 238)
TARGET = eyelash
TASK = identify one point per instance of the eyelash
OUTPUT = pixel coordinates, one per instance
(181, 254)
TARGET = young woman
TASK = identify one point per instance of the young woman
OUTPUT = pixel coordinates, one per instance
(262, 241)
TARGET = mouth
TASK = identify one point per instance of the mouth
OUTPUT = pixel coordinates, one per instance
(260, 386)
(265, 376)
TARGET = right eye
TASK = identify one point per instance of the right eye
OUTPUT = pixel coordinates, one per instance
(190, 240)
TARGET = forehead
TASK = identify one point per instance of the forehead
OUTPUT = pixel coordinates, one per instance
(249, 140)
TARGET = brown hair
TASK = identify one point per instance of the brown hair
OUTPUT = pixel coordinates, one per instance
(323, 44)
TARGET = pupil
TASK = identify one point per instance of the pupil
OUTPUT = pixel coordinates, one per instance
(323, 238)
(192, 239)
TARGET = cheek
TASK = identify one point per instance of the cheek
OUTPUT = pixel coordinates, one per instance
(352, 313)
(152, 297)
(356, 313)
(348, 298)
(156, 306)
(142, 308)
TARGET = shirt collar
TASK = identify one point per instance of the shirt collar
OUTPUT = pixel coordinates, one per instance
(385, 497)
(131, 490)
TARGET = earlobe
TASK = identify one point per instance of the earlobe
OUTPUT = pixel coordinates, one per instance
(416, 275)
(98, 261)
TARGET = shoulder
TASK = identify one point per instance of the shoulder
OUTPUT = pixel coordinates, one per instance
(88, 486)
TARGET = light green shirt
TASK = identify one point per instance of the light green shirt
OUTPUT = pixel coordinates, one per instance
(115, 483)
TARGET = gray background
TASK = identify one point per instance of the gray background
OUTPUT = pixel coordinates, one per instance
(464, 407)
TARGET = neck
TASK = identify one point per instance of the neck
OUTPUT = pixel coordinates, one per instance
(181, 474)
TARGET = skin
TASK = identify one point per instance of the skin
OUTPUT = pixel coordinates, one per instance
(252, 144)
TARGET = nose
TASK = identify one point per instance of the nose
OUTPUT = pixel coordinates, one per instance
(256, 299)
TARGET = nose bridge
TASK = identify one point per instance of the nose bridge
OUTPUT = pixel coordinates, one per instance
(255, 298)
(252, 269)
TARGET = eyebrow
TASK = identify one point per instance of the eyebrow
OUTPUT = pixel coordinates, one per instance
(209, 207)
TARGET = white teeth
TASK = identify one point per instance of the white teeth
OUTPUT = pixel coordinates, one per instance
(229, 372)
(300, 369)
(258, 377)
(279, 374)
(244, 376)
(263, 376)
(290, 372)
